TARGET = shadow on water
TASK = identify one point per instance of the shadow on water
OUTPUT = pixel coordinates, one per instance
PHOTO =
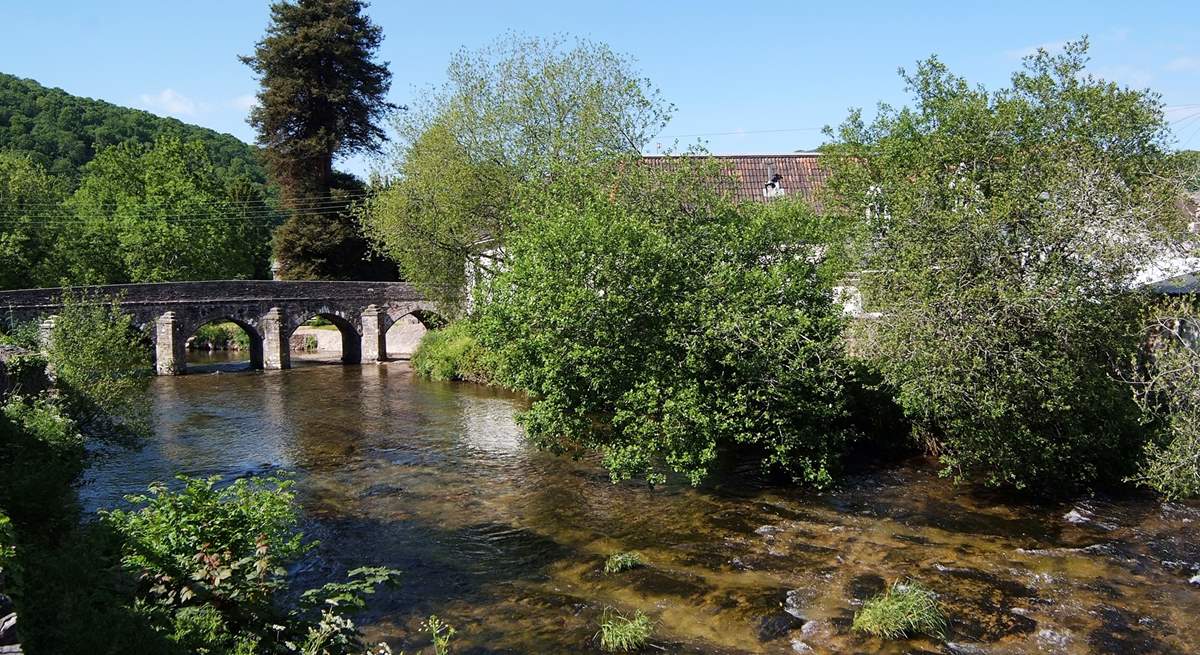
(508, 543)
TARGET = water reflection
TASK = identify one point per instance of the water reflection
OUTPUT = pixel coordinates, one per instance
(507, 542)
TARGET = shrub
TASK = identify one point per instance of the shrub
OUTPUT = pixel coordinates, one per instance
(212, 560)
(41, 456)
(618, 562)
(101, 365)
(904, 610)
(453, 353)
(621, 634)
(1167, 387)
(657, 323)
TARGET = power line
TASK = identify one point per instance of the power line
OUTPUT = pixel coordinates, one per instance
(341, 199)
(69, 219)
(739, 132)
(818, 129)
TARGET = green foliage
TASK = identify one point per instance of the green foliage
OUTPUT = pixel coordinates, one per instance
(441, 633)
(212, 564)
(906, 609)
(220, 336)
(163, 213)
(454, 353)
(621, 634)
(1187, 163)
(41, 456)
(1167, 387)
(1000, 234)
(8, 547)
(62, 132)
(618, 562)
(323, 93)
(506, 114)
(30, 222)
(23, 375)
(327, 243)
(654, 321)
(101, 365)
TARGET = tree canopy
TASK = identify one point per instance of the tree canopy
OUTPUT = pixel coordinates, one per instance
(30, 202)
(163, 213)
(62, 132)
(506, 115)
(654, 321)
(1001, 233)
(323, 93)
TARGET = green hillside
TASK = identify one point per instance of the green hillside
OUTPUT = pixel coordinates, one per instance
(63, 132)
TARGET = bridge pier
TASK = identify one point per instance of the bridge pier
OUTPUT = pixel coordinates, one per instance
(170, 353)
(374, 335)
(276, 351)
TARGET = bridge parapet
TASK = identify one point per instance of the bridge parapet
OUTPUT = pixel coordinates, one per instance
(269, 311)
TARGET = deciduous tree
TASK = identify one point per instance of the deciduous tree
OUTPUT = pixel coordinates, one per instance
(657, 323)
(1001, 234)
(505, 117)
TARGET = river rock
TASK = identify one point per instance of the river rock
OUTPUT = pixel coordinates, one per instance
(797, 600)
(29, 381)
(8, 630)
(1074, 516)
(777, 625)
(801, 647)
(1195, 579)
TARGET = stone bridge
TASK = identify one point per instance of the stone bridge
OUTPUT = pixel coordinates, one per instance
(269, 311)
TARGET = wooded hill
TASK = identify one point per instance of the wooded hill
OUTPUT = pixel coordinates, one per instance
(62, 132)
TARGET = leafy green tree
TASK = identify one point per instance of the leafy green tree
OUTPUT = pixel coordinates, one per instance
(101, 365)
(1188, 164)
(653, 321)
(1001, 234)
(162, 213)
(31, 219)
(506, 115)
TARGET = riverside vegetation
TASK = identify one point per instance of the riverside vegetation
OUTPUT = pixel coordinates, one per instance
(646, 317)
(650, 319)
(195, 567)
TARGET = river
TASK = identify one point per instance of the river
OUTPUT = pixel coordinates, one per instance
(507, 543)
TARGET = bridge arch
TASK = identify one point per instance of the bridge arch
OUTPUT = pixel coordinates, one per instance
(253, 336)
(405, 328)
(345, 324)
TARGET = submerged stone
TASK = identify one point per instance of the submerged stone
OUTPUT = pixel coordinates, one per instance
(777, 625)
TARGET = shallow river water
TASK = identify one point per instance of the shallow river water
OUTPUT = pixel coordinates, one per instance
(507, 543)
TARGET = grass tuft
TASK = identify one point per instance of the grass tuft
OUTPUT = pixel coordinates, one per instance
(618, 562)
(904, 610)
(621, 634)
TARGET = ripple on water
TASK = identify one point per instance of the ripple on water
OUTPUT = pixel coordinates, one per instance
(506, 543)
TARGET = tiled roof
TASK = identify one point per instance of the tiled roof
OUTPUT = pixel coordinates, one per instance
(797, 173)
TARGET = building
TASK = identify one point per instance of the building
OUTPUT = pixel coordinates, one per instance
(762, 178)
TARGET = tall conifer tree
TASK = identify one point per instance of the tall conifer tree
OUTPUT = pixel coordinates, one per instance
(322, 97)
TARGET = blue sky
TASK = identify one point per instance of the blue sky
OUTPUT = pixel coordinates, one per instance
(750, 77)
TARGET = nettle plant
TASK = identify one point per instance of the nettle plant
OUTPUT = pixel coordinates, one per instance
(212, 561)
